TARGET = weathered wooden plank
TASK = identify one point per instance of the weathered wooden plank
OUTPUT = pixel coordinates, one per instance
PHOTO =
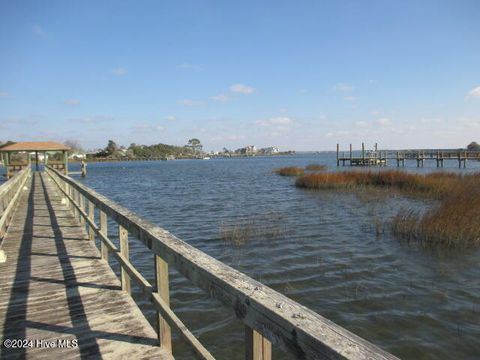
(91, 216)
(123, 237)
(54, 285)
(104, 231)
(161, 279)
(256, 346)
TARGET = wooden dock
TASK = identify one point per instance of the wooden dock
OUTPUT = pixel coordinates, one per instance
(59, 294)
(55, 286)
(377, 157)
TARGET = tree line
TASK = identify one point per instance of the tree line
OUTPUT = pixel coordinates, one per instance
(113, 150)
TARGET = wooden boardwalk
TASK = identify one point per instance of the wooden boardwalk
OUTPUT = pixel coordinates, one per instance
(54, 285)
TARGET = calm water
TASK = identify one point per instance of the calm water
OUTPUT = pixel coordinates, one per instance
(329, 251)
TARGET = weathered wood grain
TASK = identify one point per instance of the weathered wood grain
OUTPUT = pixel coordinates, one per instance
(55, 285)
(256, 346)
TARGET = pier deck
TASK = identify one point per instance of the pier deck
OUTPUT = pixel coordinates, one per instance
(54, 285)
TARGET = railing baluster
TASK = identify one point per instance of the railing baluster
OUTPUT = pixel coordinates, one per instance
(91, 216)
(161, 276)
(257, 347)
(123, 236)
(104, 230)
(82, 207)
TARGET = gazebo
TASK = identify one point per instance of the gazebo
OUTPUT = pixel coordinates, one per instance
(33, 147)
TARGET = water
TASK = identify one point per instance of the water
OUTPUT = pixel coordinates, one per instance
(330, 251)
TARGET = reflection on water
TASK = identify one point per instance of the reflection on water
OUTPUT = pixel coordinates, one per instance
(330, 251)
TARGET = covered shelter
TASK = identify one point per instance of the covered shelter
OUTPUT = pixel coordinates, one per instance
(33, 148)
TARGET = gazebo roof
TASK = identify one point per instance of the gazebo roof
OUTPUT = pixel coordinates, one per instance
(34, 146)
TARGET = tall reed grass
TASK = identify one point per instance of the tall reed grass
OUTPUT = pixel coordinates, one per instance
(316, 167)
(290, 171)
(434, 184)
(453, 222)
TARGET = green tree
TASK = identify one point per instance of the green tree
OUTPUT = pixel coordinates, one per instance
(111, 148)
(473, 146)
(74, 145)
(195, 145)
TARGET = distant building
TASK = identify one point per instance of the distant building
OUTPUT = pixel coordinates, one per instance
(269, 150)
(247, 150)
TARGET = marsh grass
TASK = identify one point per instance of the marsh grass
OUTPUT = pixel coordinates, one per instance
(434, 185)
(290, 171)
(316, 167)
(453, 222)
(241, 231)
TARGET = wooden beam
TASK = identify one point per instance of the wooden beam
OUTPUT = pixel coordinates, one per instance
(91, 216)
(123, 236)
(161, 279)
(256, 346)
(104, 231)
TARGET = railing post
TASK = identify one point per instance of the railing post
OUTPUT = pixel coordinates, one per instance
(75, 200)
(91, 216)
(67, 192)
(104, 230)
(123, 236)
(82, 207)
(257, 347)
(161, 277)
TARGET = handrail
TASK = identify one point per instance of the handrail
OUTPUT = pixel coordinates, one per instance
(269, 317)
(9, 195)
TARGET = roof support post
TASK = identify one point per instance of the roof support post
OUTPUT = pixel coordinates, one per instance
(65, 162)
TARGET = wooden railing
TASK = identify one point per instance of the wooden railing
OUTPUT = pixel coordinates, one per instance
(269, 317)
(9, 195)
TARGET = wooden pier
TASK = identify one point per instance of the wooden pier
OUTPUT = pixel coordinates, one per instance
(377, 157)
(56, 286)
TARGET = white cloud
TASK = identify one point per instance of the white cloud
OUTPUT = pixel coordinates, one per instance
(302, 91)
(242, 89)
(171, 118)
(119, 71)
(343, 87)
(350, 98)
(383, 121)
(4, 94)
(72, 102)
(474, 93)
(220, 98)
(235, 137)
(276, 121)
(361, 124)
(190, 103)
(188, 66)
(93, 119)
(147, 128)
(38, 30)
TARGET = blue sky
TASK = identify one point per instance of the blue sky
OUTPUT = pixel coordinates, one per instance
(300, 75)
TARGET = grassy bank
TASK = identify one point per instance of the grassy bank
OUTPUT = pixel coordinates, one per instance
(435, 185)
(290, 171)
(454, 222)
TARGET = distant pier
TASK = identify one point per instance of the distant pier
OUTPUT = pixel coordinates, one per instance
(377, 157)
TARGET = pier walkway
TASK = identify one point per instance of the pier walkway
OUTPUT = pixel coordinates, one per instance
(54, 285)
(59, 293)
